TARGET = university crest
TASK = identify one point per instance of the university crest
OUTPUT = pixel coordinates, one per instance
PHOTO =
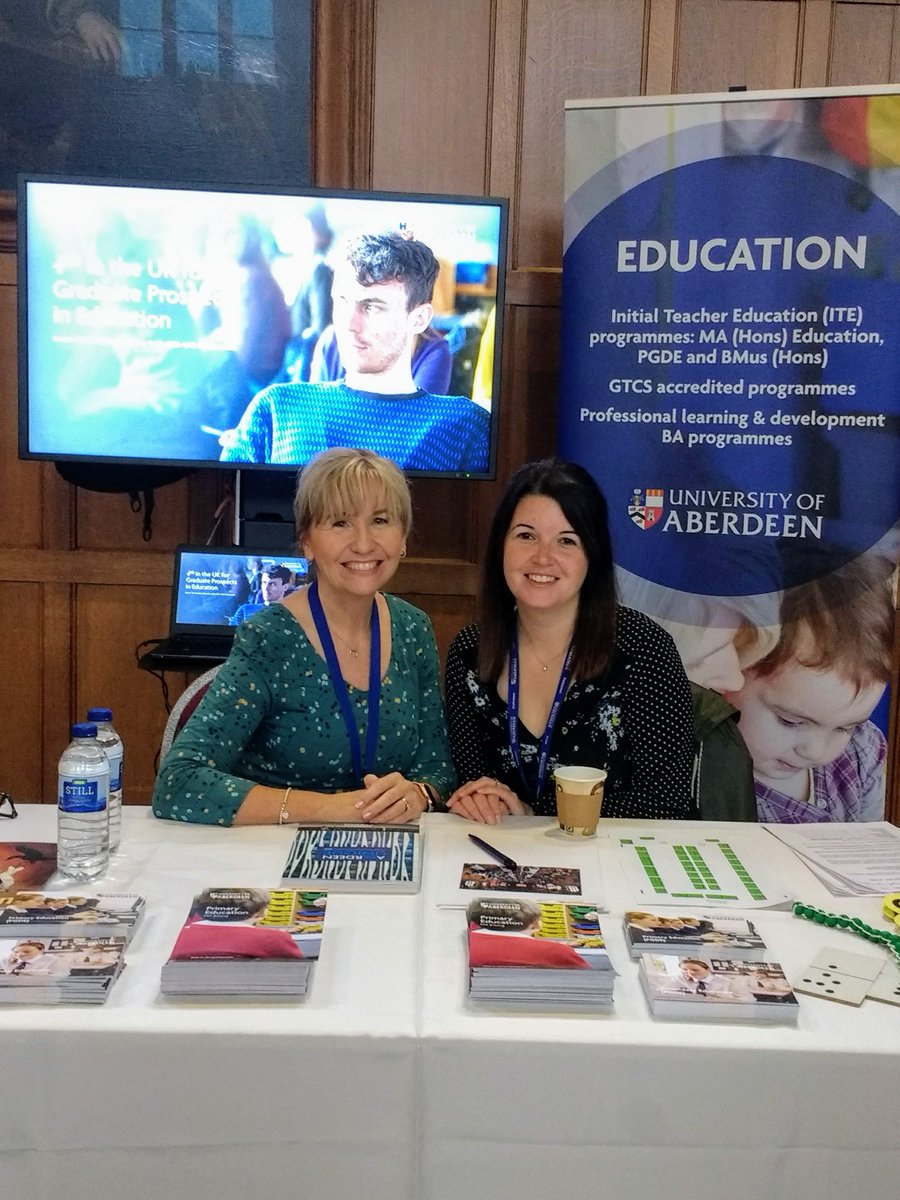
(646, 507)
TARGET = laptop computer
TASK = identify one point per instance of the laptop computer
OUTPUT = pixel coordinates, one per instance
(215, 589)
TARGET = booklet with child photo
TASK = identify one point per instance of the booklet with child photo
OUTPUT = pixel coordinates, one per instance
(697, 933)
(54, 970)
(247, 941)
(50, 914)
(545, 954)
(717, 989)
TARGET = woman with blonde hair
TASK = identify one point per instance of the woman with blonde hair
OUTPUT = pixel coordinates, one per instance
(329, 705)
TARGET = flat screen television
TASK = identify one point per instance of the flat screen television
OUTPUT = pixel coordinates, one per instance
(192, 326)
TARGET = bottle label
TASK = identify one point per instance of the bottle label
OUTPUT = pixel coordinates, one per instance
(82, 795)
(115, 775)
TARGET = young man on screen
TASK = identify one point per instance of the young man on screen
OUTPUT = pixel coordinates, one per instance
(381, 296)
(276, 583)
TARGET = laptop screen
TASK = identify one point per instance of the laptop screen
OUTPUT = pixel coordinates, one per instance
(217, 587)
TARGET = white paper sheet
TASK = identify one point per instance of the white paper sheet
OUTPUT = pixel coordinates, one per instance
(861, 859)
(721, 872)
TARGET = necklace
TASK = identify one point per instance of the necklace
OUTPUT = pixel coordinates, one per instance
(545, 666)
(353, 653)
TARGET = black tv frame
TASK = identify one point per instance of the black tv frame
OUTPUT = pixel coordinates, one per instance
(303, 194)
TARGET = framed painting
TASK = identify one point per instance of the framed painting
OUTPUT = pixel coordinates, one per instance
(171, 90)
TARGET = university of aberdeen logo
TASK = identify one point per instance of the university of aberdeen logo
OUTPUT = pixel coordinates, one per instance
(646, 507)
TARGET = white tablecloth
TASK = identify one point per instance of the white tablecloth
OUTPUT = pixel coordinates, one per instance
(627, 1107)
(385, 1083)
(157, 1100)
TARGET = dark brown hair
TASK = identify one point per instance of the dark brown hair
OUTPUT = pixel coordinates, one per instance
(576, 492)
(383, 257)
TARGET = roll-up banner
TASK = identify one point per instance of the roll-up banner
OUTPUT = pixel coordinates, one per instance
(731, 377)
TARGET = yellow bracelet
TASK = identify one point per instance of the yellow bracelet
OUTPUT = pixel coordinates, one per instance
(283, 811)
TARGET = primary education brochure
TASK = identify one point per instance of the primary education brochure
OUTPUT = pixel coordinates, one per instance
(50, 914)
(694, 933)
(247, 942)
(548, 955)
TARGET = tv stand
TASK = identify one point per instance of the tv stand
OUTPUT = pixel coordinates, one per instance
(264, 509)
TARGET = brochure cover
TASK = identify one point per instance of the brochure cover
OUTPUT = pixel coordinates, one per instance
(491, 877)
(251, 923)
(243, 942)
(698, 933)
(522, 933)
(724, 989)
(543, 955)
(26, 865)
(356, 857)
(56, 915)
(78, 970)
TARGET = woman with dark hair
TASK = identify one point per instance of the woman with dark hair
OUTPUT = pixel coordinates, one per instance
(557, 672)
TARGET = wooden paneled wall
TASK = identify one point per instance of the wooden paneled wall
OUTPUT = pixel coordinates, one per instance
(427, 95)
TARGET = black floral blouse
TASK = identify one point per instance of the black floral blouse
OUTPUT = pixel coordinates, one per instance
(636, 721)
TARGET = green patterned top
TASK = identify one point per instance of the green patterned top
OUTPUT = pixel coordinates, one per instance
(271, 716)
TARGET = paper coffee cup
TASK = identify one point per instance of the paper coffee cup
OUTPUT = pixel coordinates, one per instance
(579, 796)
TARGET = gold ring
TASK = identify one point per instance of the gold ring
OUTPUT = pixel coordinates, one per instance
(405, 804)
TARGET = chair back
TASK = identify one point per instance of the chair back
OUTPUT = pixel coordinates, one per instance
(184, 707)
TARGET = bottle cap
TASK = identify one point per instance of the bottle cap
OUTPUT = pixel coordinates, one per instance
(84, 729)
(99, 714)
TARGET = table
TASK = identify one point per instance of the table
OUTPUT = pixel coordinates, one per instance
(623, 1106)
(150, 1098)
(385, 1083)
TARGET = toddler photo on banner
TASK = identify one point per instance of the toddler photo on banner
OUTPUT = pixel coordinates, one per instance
(731, 377)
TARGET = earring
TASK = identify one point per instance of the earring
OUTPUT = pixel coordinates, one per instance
(403, 552)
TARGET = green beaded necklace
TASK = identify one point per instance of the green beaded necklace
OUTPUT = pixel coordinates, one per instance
(853, 924)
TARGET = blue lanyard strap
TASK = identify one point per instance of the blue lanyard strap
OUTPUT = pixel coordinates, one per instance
(512, 712)
(318, 615)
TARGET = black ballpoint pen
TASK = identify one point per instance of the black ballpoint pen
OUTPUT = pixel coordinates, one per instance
(504, 859)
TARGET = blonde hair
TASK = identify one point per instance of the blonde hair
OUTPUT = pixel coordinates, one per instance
(342, 482)
(753, 642)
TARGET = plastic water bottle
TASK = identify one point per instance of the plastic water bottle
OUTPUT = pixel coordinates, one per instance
(114, 750)
(83, 813)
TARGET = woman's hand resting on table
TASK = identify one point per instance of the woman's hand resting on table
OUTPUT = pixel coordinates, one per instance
(487, 801)
(390, 799)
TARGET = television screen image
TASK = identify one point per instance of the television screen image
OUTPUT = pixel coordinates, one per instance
(218, 586)
(195, 326)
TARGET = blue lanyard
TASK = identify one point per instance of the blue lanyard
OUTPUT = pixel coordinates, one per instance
(318, 615)
(512, 712)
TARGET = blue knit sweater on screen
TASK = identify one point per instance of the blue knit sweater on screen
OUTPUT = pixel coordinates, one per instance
(290, 422)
